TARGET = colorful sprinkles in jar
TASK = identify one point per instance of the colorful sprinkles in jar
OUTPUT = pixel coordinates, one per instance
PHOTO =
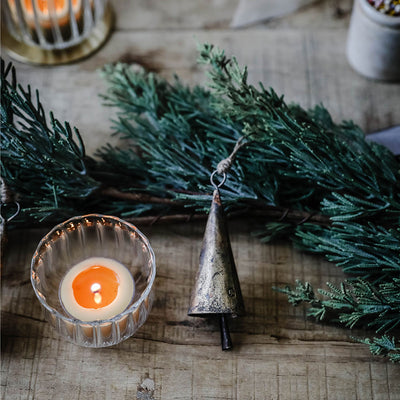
(389, 7)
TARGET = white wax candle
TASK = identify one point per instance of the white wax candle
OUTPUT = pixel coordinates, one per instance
(97, 288)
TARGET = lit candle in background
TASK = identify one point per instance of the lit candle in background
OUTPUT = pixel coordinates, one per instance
(96, 289)
(44, 10)
(50, 19)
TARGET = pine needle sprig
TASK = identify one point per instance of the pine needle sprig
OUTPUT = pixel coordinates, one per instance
(165, 140)
(179, 138)
(354, 304)
(384, 346)
(364, 251)
(43, 162)
(317, 152)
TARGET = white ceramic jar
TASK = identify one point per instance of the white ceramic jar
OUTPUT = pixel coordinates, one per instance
(373, 42)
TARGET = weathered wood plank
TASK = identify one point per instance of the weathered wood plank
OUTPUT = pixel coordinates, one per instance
(278, 353)
(217, 14)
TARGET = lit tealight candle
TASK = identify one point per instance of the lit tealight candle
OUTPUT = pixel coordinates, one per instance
(97, 288)
(43, 8)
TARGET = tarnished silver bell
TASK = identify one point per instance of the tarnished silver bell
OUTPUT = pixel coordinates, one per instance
(217, 289)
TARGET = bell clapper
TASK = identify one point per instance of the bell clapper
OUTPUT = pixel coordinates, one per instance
(226, 341)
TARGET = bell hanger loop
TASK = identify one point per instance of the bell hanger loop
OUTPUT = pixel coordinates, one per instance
(221, 183)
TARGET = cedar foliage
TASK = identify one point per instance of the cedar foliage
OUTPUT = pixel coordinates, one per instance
(346, 189)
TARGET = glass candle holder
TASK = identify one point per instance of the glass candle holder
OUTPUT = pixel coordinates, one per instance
(54, 31)
(79, 239)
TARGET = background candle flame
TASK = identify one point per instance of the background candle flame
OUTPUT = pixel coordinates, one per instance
(43, 5)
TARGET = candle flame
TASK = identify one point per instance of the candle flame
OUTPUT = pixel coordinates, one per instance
(43, 5)
(95, 287)
(97, 298)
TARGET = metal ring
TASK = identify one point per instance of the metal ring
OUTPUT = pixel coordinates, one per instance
(222, 181)
(12, 216)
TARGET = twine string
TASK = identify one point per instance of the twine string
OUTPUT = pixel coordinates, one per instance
(225, 165)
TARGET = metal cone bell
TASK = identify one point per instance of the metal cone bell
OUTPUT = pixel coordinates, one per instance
(217, 289)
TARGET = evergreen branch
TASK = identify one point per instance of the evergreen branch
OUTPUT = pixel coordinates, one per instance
(353, 304)
(336, 160)
(384, 345)
(363, 251)
(43, 162)
(316, 182)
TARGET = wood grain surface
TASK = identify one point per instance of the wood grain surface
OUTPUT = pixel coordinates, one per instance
(278, 353)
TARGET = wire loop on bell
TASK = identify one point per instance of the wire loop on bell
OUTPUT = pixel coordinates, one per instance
(8, 219)
(217, 186)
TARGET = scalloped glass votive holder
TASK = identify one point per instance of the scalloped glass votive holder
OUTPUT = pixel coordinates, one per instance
(81, 238)
(52, 32)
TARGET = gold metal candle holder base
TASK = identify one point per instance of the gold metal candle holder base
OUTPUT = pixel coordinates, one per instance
(25, 53)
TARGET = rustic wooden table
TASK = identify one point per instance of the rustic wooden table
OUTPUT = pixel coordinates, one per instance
(278, 353)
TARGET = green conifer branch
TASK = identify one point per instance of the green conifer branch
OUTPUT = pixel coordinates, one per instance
(355, 304)
(319, 183)
(384, 346)
(44, 163)
(353, 179)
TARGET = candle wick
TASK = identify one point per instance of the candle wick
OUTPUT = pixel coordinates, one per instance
(95, 287)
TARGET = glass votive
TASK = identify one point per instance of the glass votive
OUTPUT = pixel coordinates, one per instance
(54, 31)
(76, 241)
